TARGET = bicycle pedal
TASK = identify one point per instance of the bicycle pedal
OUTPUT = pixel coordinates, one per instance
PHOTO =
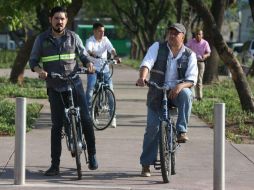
(157, 165)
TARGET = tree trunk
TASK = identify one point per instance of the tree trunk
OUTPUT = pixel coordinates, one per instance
(179, 4)
(227, 57)
(211, 67)
(217, 10)
(17, 72)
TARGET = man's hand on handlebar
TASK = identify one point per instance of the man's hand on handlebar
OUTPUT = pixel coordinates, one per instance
(118, 59)
(141, 82)
(90, 67)
(43, 75)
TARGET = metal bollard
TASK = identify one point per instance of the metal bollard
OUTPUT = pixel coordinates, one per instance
(219, 147)
(20, 141)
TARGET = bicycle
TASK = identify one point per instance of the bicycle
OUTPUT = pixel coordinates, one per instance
(72, 124)
(167, 140)
(104, 102)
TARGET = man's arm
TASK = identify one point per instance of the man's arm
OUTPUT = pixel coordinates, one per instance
(205, 56)
(143, 73)
(83, 55)
(207, 52)
(34, 60)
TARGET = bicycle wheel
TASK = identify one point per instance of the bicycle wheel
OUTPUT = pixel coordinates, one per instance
(77, 145)
(103, 108)
(165, 154)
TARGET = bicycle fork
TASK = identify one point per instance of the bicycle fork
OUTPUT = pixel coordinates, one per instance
(74, 113)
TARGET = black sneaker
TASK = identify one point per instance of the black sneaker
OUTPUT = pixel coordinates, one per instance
(52, 171)
(93, 165)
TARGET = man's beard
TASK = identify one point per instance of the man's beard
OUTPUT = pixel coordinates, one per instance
(58, 30)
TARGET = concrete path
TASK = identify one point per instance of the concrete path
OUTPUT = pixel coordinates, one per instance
(118, 152)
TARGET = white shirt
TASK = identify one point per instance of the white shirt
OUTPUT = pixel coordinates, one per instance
(99, 48)
(171, 75)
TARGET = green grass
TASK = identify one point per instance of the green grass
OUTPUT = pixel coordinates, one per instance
(133, 63)
(31, 88)
(7, 116)
(239, 124)
(7, 58)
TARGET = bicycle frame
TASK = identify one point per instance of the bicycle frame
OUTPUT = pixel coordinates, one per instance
(166, 116)
(103, 104)
(100, 75)
(167, 144)
(70, 110)
(72, 123)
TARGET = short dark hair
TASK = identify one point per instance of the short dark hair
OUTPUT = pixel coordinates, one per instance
(56, 10)
(198, 30)
(97, 25)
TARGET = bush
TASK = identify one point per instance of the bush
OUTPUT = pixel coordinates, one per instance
(7, 58)
(7, 116)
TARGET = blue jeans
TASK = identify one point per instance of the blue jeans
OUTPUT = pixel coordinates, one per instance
(91, 81)
(150, 143)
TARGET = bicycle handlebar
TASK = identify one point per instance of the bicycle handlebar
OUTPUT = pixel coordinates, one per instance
(72, 75)
(152, 83)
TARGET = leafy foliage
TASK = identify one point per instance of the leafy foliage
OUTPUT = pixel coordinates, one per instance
(17, 14)
(7, 116)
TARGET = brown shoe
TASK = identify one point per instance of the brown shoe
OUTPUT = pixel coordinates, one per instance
(182, 137)
(146, 171)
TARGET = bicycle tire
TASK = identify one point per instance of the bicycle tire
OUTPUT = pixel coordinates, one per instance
(102, 115)
(76, 148)
(165, 154)
(173, 155)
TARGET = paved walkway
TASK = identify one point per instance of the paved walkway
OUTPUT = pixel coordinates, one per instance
(119, 150)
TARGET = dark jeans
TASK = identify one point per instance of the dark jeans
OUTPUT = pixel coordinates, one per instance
(57, 118)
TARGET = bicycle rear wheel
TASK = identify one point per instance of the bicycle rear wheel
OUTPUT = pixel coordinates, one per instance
(103, 108)
(77, 145)
(165, 154)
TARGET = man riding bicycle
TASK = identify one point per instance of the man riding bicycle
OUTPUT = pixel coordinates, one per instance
(57, 49)
(167, 62)
(98, 46)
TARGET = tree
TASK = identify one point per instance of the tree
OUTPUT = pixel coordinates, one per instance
(227, 56)
(142, 18)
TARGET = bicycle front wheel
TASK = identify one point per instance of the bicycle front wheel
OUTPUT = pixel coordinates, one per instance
(165, 154)
(103, 108)
(77, 145)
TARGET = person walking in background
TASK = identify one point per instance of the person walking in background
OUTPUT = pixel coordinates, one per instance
(167, 62)
(57, 49)
(98, 47)
(202, 50)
